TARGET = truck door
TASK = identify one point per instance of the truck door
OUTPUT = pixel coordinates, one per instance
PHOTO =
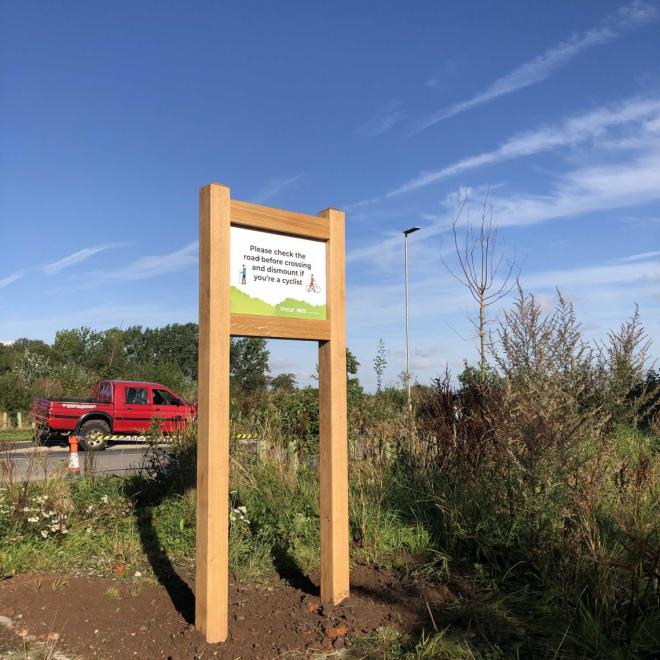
(135, 410)
(167, 409)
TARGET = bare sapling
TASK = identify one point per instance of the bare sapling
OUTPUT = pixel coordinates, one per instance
(484, 269)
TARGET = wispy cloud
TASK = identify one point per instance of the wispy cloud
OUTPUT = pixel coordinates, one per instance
(75, 258)
(376, 250)
(155, 265)
(641, 114)
(625, 19)
(595, 276)
(627, 183)
(56, 266)
(570, 132)
(624, 184)
(642, 256)
(384, 120)
(275, 186)
(10, 279)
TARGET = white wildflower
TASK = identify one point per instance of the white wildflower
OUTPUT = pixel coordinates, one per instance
(44, 533)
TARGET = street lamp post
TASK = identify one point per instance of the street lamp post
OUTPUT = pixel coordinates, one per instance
(406, 233)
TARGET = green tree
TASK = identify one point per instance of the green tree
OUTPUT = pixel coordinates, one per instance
(33, 345)
(284, 382)
(15, 395)
(177, 342)
(352, 366)
(380, 364)
(134, 346)
(78, 346)
(33, 366)
(109, 360)
(248, 363)
(352, 363)
(9, 358)
(354, 388)
(12, 354)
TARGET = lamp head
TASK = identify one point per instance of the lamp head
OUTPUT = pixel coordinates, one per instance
(411, 230)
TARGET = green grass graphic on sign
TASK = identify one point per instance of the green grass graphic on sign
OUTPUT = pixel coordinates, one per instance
(241, 303)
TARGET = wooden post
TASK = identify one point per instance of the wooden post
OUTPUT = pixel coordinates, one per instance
(212, 567)
(19, 420)
(4, 421)
(333, 423)
(216, 325)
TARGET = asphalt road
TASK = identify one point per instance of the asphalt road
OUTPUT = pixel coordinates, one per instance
(42, 462)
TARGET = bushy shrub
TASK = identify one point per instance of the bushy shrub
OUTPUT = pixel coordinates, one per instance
(75, 381)
(15, 395)
(542, 467)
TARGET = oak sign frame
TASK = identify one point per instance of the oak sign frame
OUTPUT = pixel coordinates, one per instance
(217, 213)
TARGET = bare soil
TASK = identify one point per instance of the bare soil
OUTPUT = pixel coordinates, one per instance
(93, 617)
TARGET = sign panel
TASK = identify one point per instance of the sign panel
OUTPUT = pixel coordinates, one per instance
(277, 275)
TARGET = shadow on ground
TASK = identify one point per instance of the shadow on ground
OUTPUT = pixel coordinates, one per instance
(289, 570)
(147, 494)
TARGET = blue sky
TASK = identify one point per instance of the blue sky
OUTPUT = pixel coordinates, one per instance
(114, 114)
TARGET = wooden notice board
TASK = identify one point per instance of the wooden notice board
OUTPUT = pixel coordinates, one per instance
(266, 272)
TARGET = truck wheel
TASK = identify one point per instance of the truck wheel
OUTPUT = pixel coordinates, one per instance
(91, 435)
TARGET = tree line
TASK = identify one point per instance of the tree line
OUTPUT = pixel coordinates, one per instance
(78, 357)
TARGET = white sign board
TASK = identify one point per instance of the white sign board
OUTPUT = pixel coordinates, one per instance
(277, 275)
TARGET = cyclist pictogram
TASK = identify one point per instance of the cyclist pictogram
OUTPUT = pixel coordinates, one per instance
(313, 286)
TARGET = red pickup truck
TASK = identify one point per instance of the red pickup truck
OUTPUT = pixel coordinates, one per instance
(117, 407)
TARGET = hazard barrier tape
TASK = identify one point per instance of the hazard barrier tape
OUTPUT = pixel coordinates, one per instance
(126, 438)
(145, 438)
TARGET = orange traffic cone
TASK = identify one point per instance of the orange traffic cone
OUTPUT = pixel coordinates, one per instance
(74, 464)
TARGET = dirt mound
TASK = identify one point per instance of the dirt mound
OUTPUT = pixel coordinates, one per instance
(126, 618)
